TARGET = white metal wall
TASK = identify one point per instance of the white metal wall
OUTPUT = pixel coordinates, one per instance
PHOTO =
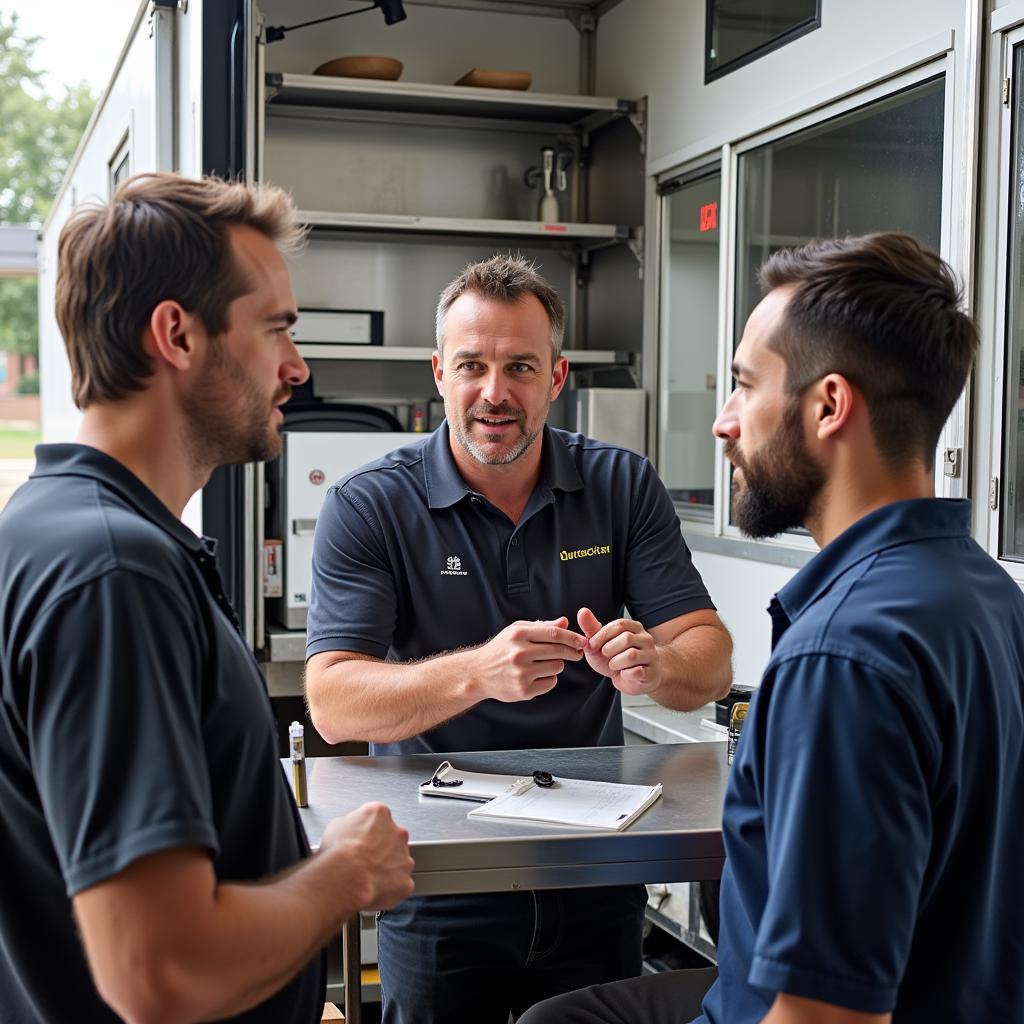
(133, 112)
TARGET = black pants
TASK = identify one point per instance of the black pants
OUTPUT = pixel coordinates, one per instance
(454, 959)
(670, 998)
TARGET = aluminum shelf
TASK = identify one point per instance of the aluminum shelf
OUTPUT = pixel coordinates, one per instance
(421, 353)
(286, 90)
(581, 236)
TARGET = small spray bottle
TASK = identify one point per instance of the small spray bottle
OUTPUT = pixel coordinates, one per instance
(297, 745)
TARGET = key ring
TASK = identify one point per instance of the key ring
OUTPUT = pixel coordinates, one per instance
(440, 783)
(543, 779)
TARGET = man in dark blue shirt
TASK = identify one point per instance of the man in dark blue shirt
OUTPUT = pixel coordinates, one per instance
(154, 864)
(874, 818)
(447, 578)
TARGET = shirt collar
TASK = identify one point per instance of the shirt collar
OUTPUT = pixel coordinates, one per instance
(900, 522)
(445, 486)
(82, 460)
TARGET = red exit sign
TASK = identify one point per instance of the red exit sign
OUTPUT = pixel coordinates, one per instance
(709, 217)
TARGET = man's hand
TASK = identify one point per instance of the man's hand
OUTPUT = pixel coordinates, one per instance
(623, 651)
(524, 659)
(378, 867)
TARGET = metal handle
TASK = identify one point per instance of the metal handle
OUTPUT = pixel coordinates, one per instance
(303, 527)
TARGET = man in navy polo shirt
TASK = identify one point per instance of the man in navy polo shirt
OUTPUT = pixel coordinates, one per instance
(448, 578)
(155, 867)
(874, 818)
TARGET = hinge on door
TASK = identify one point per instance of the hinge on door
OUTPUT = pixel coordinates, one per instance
(1006, 92)
(993, 493)
(951, 461)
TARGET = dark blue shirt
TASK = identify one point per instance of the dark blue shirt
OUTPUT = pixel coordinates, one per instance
(874, 818)
(133, 720)
(409, 561)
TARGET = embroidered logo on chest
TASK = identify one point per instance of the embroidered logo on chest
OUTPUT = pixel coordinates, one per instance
(600, 549)
(453, 567)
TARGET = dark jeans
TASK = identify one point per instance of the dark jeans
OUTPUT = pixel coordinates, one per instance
(454, 959)
(670, 998)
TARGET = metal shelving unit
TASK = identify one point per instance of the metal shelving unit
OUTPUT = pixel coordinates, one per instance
(581, 237)
(584, 113)
(421, 353)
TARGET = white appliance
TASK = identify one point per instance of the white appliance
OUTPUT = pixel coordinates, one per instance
(615, 415)
(310, 462)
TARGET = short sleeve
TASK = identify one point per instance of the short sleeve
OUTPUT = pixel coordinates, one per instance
(848, 832)
(661, 579)
(352, 602)
(112, 711)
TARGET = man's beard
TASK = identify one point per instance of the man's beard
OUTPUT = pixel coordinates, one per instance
(228, 417)
(781, 482)
(462, 426)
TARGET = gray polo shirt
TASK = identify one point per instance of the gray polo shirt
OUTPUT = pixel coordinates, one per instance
(409, 561)
(133, 720)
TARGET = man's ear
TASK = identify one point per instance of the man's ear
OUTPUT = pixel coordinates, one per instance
(559, 375)
(832, 400)
(172, 334)
(437, 364)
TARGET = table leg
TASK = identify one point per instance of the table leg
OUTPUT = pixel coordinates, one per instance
(351, 970)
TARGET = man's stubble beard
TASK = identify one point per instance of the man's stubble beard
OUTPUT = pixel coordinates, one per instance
(228, 418)
(782, 483)
(461, 428)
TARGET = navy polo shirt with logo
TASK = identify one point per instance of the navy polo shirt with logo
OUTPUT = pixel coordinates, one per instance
(409, 562)
(133, 720)
(874, 817)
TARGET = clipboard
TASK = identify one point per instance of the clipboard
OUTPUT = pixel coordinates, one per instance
(480, 786)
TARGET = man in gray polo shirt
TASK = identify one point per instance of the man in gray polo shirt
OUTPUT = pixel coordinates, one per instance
(154, 864)
(449, 579)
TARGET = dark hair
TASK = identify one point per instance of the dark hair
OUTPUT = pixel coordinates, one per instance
(506, 278)
(162, 236)
(883, 311)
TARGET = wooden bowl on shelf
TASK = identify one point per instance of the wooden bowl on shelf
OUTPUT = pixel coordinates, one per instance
(496, 79)
(385, 69)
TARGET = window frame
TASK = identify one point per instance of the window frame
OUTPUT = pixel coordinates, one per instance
(996, 396)
(121, 157)
(720, 535)
(692, 171)
(775, 43)
(855, 101)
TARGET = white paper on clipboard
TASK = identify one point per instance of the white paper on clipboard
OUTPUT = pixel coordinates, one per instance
(603, 805)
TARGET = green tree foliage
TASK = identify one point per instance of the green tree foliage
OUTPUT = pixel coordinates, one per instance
(39, 137)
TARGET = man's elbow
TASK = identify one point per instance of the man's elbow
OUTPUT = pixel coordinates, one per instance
(324, 721)
(725, 661)
(150, 991)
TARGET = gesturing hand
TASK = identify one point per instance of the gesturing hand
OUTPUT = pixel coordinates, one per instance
(525, 658)
(623, 651)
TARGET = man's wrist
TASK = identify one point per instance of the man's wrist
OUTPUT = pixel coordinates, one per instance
(462, 668)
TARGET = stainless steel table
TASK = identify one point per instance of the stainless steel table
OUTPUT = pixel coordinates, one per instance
(678, 839)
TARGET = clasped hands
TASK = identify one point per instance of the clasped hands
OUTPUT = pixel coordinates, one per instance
(525, 658)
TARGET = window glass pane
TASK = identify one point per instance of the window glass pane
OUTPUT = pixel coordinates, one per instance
(1012, 529)
(687, 452)
(878, 168)
(738, 31)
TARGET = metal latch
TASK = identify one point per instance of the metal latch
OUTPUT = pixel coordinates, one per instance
(303, 527)
(951, 461)
(993, 493)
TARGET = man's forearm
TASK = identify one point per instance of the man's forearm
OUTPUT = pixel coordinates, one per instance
(696, 667)
(265, 934)
(165, 942)
(385, 701)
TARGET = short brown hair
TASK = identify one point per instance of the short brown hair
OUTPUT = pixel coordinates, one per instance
(162, 236)
(506, 278)
(883, 311)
